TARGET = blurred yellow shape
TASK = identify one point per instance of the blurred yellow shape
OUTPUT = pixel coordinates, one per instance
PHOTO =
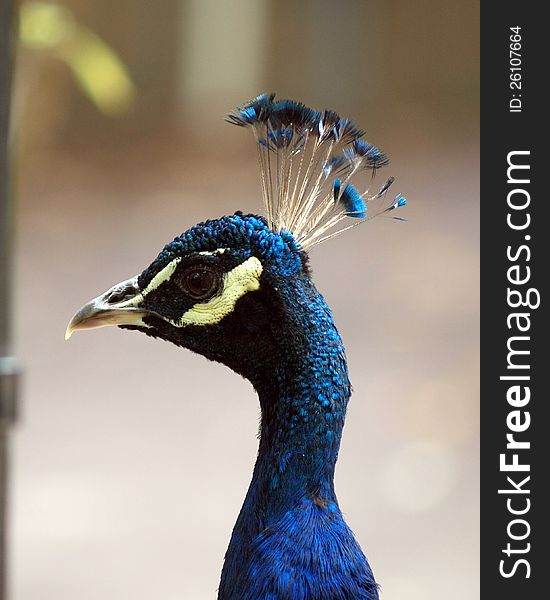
(44, 25)
(99, 72)
(97, 69)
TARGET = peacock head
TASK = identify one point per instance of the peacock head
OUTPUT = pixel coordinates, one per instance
(223, 289)
(238, 289)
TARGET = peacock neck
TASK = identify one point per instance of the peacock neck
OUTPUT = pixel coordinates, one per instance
(303, 404)
(290, 520)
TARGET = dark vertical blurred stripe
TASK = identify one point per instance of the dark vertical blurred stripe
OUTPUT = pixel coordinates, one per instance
(5, 207)
(7, 375)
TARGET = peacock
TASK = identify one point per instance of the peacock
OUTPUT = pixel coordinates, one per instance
(238, 290)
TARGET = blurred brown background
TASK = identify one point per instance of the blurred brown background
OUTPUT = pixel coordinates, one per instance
(131, 456)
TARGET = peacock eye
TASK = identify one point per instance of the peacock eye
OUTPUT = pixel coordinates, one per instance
(200, 282)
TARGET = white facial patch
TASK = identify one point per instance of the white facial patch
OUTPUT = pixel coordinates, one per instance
(162, 276)
(237, 282)
(214, 252)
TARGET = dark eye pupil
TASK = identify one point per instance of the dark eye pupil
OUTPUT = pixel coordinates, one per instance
(200, 283)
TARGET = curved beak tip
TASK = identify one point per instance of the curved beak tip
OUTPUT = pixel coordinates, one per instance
(103, 312)
(78, 321)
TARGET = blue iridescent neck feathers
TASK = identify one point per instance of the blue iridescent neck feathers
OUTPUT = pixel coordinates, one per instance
(291, 541)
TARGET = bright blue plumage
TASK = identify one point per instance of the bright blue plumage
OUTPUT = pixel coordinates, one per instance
(353, 202)
(238, 290)
(290, 541)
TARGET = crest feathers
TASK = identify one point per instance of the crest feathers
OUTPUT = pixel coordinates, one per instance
(310, 163)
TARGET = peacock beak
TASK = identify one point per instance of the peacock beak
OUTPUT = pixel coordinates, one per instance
(119, 305)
